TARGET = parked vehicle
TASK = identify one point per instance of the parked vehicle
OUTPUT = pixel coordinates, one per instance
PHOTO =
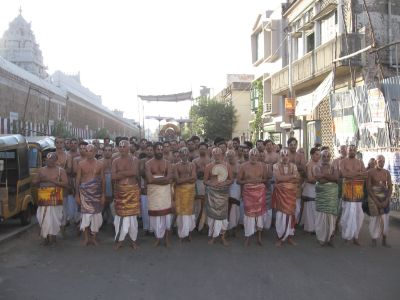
(15, 180)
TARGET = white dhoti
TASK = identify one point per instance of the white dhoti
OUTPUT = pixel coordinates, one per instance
(309, 216)
(185, 224)
(93, 220)
(216, 227)
(125, 225)
(351, 220)
(283, 225)
(267, 219)
(298, 210)
(324, 226)
(144, 212)
(234, 216)
(253, 224)
(379, 226)
(49, 218)
(159, 224)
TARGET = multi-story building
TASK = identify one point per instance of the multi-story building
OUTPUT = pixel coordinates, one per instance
(33, 102)
(268, 57)
(315, 36)
(237, 92)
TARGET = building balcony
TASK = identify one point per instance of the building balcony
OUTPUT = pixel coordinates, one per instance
(307, 70)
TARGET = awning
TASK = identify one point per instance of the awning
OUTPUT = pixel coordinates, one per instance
(306, 104)
(168, 98)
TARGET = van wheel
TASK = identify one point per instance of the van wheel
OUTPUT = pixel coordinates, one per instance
(26, 216)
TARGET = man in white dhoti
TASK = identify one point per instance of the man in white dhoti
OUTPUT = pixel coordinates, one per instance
(354, 174)
(91, 194)
(185, 190)
(379, 187)
(308, 194)
(234, 194)
(125, 173)
(326, 199)
(200, 163)
(217, 178)
(253, 177)
(159, 178)
(284, 197)
(51, 180)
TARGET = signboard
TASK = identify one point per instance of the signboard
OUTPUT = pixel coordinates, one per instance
(376, 102)
(290, 106)
(345, 129)
(13, 116)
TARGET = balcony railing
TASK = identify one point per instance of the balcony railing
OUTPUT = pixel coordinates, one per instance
(316, 63)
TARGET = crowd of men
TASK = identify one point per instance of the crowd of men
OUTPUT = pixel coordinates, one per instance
(224, 186)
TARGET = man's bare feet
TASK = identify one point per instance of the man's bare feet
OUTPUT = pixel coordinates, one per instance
(134, 245)
(45, 242)
(259, 243)
(223, 240)
(247, 242)
(356, 242)
(331, 243)
(167, 241)
(279, 243)
(157, 243)
(117, 245)
(211, 241)
(291, 242)
(384, 242)
(94, 241)
(190, 237)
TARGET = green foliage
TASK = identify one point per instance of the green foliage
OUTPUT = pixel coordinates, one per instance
(257, 124)
(102, 133)
(212, 118)
(60, 129)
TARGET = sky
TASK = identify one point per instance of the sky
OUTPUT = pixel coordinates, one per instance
(124, 48)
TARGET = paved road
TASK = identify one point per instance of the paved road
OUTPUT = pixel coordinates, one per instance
(198, 271)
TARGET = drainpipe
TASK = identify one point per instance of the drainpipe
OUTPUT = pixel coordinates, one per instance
(390, 32)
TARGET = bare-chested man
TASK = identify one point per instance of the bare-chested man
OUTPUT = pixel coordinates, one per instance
(90, 194)
(300, 161)
(61, 154)
(235, 195)
(380, 187)
(217, 178)
(159, 178)
(145, 157)
(253, 176)
(354, 174)
(326, 199)
(245, 151)
(106, 161)
(185, 191)
(284, 197)
(72, 213)
(260, 145)
(200, 163)
(167, 151)
(51, 180)
(125, 172)
(193, 151)
(271, 158)
(308, 195)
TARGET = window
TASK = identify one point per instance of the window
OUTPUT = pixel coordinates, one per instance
(310, 42)
(259, 45)
(328, 28)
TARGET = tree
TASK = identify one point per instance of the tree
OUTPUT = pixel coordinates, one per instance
(60, 129)
(258, 121)
(212, 118)
(102, 133)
